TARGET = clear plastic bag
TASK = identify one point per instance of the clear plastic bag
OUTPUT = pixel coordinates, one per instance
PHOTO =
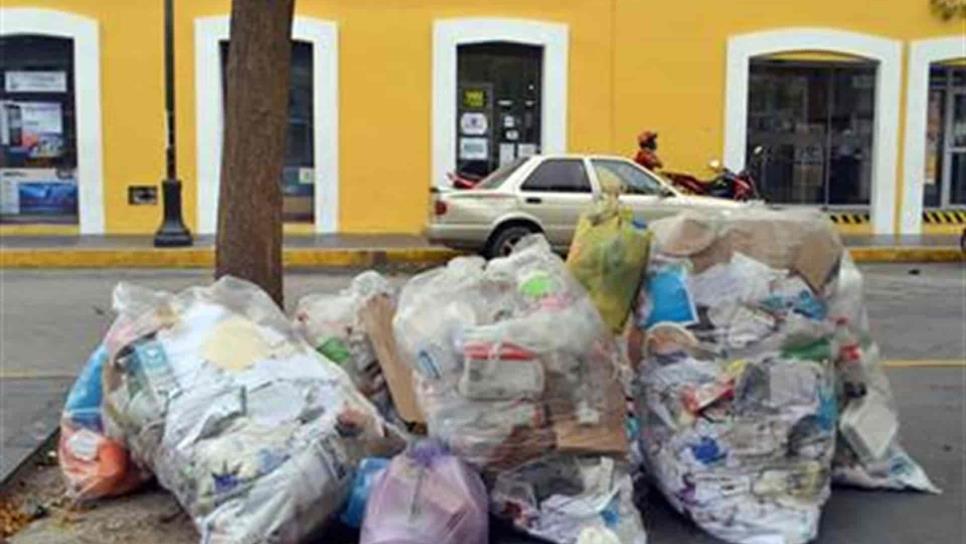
(333, 324)
(869, 453)
(741, 385)
(512, 361)
(255, 433)
(564, 498)
(427, 495)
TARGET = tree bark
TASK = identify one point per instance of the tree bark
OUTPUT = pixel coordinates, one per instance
(249, 240)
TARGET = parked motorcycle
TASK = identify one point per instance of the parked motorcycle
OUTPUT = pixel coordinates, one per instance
(725, 184)
(461, 180)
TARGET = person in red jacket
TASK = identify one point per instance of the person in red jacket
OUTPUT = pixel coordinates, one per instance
(647, 151)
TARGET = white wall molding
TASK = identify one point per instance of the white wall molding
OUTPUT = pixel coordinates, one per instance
(888, 54)
(87, 99)
(922, 53)
(448, 34)
(209, 116)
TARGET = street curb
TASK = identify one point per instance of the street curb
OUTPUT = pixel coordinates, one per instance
(205, 258)
(354, 258)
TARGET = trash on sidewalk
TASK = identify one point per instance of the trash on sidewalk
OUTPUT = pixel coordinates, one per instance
(607, 256)
(349, 328)
(255, 433)
(427, 495)
(739, 383)
(93, 465)
(514, 365)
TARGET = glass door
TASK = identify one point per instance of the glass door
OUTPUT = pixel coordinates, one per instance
(954, 191)
(498, 105)
(815, 121)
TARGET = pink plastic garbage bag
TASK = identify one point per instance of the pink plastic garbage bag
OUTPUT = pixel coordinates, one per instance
(427, 495)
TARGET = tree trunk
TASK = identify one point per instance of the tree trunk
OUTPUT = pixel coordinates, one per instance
(249, 242)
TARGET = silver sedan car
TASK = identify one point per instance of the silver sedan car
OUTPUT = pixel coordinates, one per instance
(547, 194)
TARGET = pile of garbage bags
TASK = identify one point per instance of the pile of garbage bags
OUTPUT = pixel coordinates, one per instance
(758, 386)
(756, 358)
(214, 392)
(518, 375)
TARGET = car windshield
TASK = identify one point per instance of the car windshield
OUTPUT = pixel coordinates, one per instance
(498, 176)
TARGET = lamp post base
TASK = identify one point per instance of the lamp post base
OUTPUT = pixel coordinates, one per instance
(172, 232)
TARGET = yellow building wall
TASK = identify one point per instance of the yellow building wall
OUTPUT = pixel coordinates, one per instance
(132, 101)
(633, 64)
(385, 95)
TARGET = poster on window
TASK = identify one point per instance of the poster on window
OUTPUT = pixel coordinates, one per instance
(474, 149)
(35, 82)
(34, 128)
(38, 191)
(474, 123)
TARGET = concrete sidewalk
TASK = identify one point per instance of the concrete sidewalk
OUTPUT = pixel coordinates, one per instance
(358, 250)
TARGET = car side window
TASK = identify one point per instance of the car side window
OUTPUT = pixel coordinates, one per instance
(634, 180)
(559, 175)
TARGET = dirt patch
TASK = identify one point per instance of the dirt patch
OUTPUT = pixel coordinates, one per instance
(148, 515)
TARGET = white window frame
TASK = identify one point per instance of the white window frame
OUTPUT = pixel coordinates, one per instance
(888, 54)
(922, 54)
(323, 35)
(87, 99)
(449, 34)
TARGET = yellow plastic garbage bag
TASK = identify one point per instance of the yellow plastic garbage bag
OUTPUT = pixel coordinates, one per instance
(608, 256)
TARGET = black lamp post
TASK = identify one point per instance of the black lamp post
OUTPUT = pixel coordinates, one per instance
(172, 232)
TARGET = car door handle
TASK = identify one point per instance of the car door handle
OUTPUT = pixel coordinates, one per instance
(533, 200)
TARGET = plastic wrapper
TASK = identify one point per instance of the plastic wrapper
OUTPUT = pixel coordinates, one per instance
(607, 256)
(512, 362)
(427, 495)
(255, 433)
(333, 325)
(567, 498)
(93, 465)
(745, 374)
(869, 453)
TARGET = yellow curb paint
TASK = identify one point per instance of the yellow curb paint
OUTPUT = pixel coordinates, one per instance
(39, 230)
(925, 363)
(205, 258)
(900, 254)
(310, 257)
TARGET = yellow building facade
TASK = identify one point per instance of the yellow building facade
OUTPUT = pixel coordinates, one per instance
(386, 83)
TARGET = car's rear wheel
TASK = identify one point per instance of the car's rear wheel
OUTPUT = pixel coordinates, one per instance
(502, 243)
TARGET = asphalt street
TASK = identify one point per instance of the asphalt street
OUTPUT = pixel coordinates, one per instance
(51, 320)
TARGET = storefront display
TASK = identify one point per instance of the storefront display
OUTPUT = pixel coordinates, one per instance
(38, 158)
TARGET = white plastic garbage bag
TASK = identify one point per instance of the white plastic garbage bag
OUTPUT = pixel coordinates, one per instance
(255, 433)
(513, 363)
(752, 351)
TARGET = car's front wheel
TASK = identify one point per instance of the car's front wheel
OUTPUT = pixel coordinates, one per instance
(502, 242)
